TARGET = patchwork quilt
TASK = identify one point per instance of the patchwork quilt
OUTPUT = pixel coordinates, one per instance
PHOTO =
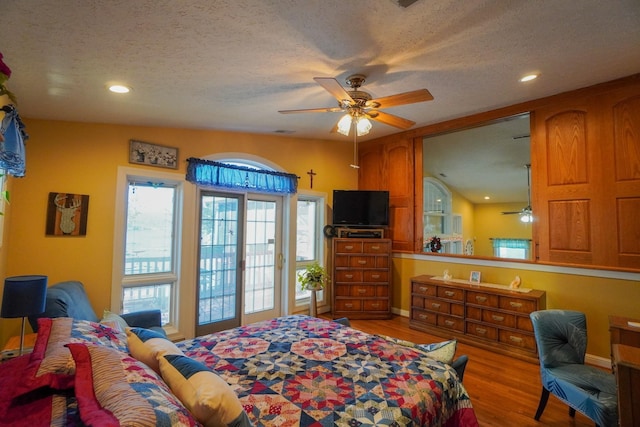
(304, 371)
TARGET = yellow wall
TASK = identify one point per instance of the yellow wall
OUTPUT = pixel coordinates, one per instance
(83, 159)
(496, 225)
(597, 297)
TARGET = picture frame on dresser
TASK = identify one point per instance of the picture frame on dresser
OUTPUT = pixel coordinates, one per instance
(474, 277)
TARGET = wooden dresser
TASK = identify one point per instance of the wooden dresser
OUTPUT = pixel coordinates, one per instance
(361, 281)
(494, 318)
(625, 359)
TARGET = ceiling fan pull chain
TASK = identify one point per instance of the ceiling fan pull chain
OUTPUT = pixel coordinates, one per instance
(355, 145)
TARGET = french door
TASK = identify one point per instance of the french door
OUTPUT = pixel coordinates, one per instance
(239, 269)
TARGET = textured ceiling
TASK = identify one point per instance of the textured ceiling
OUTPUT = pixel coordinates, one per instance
(232, 64)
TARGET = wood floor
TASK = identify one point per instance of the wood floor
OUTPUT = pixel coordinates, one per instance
(504, 391)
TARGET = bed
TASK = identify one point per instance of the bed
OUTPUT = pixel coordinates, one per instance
(288, 371)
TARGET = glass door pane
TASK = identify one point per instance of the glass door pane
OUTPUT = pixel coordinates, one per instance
(219, 278)
(262, 250)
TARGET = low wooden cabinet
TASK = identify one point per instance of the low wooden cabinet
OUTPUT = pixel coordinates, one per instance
(362, 278)
(490, 317)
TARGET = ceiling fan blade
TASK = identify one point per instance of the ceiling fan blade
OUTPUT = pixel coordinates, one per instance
(332, 86)
(511, 213)
(419, 95)
(390, 119)
(313, 110)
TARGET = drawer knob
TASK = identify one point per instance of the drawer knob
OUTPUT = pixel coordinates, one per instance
(423, 289)
(375, 247)
(375, 276)
(515, 304)
(435, 305)
(349, 276)
(497, 318)
(481, 331)
(481, 299)
(376, 305)
(449, 293)
(349, 305)
(362, 291)
(348, 247)
(423, 316)
(449, 322)
(515, 339)
(362, 262)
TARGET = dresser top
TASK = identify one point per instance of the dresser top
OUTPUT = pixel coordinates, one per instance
(481, 287)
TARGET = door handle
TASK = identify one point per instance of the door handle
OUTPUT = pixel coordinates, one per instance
(280, 261)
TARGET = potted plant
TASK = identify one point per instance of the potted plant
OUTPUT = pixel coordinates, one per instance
(313, 278)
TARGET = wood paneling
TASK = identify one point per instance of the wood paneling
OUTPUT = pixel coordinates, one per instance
(585, 170)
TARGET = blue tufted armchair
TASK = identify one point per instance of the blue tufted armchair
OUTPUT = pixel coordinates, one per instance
(561, 336)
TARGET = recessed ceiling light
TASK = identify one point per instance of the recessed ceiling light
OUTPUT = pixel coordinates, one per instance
(529, 77)
(487, 198)
(119, 89)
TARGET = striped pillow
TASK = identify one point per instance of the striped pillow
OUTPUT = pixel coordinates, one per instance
(113, 388)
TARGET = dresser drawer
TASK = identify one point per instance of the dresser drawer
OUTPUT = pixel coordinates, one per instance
(450, 322)
(481, 298)
(382, 261)
(517, 339)
(348, 276)
(437, 305)
(341, 261)
(362, 261)
(376, 305)
(349, 247)
(424, 316)
(474, 313)
(499, 319)
(517, 304)
(482, 331)
(362, 291)
(376, 276)
(450, 293)
(424, 289)
(376, 247)
(524, 323)
(348, 305)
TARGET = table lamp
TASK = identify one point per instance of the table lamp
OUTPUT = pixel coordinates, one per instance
(23, 296)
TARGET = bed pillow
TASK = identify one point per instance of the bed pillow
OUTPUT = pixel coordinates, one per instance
(209, 398)
(441, 351)
(114, 320)
(50, 363)
(144, 345)
(112, 388)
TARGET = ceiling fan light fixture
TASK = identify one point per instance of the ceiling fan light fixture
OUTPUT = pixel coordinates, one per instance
(526, 217)
(344, 125)
(364, 126)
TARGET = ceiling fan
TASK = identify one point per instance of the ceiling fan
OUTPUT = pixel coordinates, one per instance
(359, 106)
(526, 214)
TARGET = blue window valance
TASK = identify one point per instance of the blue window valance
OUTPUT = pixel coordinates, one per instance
(12, 157)
(216, 174)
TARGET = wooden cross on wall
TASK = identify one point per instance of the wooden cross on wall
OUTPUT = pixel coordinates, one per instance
(311, 174)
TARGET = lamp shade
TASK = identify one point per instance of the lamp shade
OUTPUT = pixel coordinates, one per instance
(24, 296)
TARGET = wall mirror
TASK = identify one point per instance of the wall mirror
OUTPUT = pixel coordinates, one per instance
(476, 190)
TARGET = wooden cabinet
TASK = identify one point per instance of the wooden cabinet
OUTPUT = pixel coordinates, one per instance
(586, 186)
(362, 278)
(493, 318)
(625, 359)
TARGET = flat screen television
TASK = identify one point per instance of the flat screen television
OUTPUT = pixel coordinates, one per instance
(362, 208)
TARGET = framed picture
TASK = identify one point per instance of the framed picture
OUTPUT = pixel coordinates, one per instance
(145, 153)
(475, 277)
(67, 214)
